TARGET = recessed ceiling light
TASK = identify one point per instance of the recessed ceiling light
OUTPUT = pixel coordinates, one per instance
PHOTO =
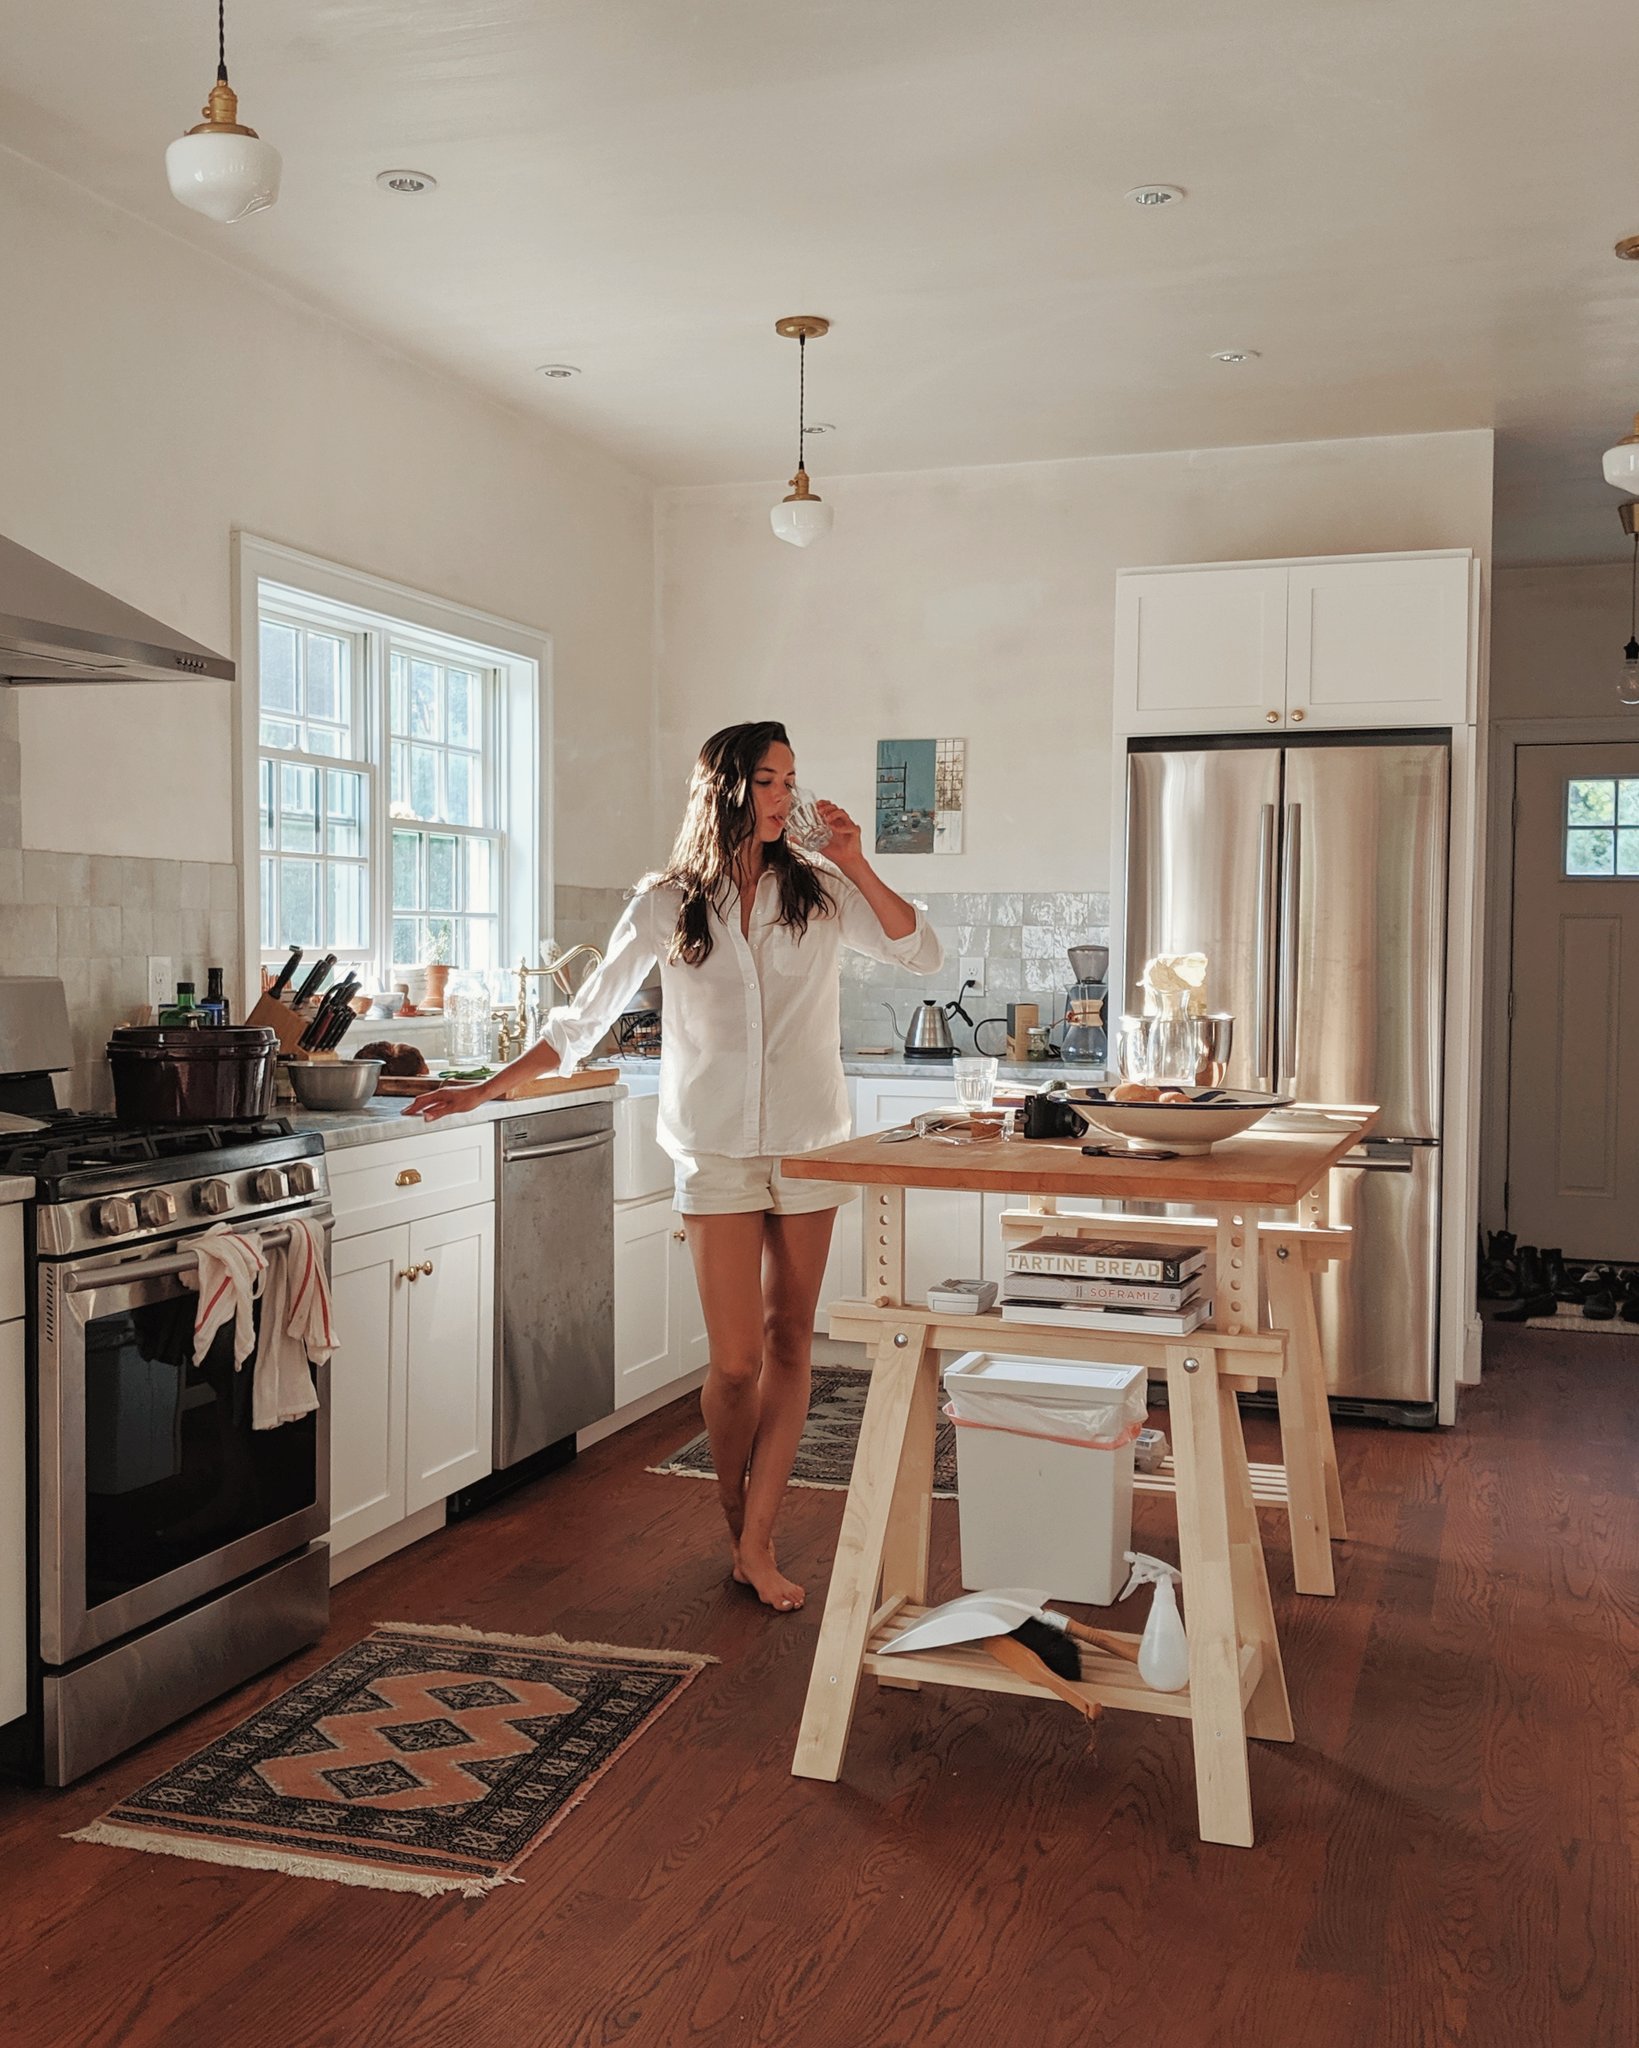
(820, 427)
(1155, 195)
(558, 370)
(409, 182)
(1235, 355)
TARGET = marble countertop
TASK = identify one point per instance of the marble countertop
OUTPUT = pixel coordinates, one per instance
(382, 1120)
(895, 1067)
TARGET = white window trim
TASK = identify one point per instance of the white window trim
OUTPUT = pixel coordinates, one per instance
(522, 659)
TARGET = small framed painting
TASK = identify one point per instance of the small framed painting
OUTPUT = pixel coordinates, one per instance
(919, 792)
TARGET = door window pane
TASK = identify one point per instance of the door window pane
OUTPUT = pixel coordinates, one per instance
(1601, 827)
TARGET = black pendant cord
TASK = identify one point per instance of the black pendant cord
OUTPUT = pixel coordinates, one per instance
(1632, 648)
(222, 40)
(802, 400)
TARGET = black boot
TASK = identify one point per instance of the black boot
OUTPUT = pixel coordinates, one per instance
(1599, 1303)
(1529, 1309)
(1528, 1266)
(1555, 1279)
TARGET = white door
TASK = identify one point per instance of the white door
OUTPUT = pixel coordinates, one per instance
(689, 1350)
(450, 1404)
(645, 1272)
(13, 1526)
(1378, 643)
(1573, 1096)
(370, 1307)
(1200, 650)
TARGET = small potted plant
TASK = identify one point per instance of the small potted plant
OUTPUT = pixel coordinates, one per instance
(438, 968)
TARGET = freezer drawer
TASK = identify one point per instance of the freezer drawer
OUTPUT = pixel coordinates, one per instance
(1379, 1308)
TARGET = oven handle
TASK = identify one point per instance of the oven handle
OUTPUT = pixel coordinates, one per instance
(86, 1278)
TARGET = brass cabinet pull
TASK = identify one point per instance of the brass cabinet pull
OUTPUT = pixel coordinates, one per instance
(426, 1265)
(680, 1237)
(1297, 717)
(415, 1272)
(1273, 717)
(409, 1178)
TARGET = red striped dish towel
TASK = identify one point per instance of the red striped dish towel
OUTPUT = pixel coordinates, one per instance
(297, 1330)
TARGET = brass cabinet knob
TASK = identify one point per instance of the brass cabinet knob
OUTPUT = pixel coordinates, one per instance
(409, 1178)
(426, 1265)
(680, 1236)
(409, 1272)
(1298, 717)
(1273, 717)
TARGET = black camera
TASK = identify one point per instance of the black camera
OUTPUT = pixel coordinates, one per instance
(1051, 1116)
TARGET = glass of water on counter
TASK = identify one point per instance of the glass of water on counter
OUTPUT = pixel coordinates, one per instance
(975, 1082)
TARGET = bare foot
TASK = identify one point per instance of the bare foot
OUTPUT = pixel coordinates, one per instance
(756, 1568)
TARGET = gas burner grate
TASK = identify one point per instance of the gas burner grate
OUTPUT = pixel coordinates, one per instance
(73, 1142)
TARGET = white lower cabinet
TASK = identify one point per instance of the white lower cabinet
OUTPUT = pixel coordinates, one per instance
(412, 1385)
(13, 1526)
(660, 1329)
(945, 1237)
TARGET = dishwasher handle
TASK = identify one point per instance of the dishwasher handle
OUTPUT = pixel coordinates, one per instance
(560, 1148)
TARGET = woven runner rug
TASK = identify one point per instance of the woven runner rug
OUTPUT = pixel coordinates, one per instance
(423, 1759)
(1568, 1318)
(825, 1456)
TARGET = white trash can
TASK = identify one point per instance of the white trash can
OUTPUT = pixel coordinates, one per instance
(1044, 1459)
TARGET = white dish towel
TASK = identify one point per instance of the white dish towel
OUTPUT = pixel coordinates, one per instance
(297, 1330)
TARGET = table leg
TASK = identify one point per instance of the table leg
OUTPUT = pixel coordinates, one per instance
(1305, 1420)
(902, 1359)
(1196, 1404)
(1268, 1712)
(910, 1519)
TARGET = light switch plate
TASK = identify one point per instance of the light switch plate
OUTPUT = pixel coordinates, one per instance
(973, 969)
(161, 988)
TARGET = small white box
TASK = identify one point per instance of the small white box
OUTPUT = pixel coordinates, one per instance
(1039, 1504)
(962, 1297)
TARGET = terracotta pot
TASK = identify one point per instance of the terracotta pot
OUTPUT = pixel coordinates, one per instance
(437, 975)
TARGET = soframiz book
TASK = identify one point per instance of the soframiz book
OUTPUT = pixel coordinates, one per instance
(1098, 1293)
(1079, 1315)
(1076, 1258)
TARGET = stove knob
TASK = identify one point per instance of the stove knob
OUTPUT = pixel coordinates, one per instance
(115, 1216)
(304, 1177)
(157, 1207)
(212, 1197)
(269, 1184)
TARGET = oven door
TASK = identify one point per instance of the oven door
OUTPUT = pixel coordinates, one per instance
(154, 1488)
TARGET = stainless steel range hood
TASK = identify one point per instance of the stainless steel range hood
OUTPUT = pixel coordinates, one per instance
(54, 628)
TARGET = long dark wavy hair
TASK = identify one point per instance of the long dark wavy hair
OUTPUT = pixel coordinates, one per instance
(719, 820)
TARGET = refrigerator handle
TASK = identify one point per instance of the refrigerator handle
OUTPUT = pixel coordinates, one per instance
(1263, 966)
(1291, 883)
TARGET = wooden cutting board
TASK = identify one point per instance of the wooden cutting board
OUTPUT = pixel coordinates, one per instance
(545, 1084)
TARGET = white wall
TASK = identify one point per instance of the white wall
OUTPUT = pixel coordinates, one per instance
(979, 604)
(158, 398)
(1556, 641)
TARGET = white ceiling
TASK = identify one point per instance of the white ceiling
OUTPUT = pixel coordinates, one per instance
(1407, 206)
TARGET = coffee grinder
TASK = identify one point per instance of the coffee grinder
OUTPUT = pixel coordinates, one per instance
(1086, 1039)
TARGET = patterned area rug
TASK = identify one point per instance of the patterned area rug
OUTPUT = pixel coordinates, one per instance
(421, 1760)
(825, 1457)
(1568, 1318)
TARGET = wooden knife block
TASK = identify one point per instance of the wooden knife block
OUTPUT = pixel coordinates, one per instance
(287, 1025)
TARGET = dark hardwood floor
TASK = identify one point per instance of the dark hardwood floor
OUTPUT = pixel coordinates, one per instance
(1447, 1854)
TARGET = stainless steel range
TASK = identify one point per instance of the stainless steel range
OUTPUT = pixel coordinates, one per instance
(177, 1550)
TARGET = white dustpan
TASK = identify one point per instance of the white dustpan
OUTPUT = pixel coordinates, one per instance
(974, 1616)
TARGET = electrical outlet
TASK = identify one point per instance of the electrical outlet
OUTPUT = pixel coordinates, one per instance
(973, 969)
(161, 988)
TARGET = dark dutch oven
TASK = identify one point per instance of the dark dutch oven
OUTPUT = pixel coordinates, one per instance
(175, 1074)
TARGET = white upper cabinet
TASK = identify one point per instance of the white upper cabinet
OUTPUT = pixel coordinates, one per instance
(1200, 650)
(1356, 640)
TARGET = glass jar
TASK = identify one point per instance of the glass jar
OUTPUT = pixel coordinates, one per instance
(467, 1021)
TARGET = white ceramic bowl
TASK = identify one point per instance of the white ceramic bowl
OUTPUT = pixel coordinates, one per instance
(1189, 1128)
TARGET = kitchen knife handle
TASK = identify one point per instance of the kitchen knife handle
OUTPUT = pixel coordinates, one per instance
(285, 973)
(314, 980)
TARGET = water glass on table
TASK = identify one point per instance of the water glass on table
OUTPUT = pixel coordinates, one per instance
(975, 1082)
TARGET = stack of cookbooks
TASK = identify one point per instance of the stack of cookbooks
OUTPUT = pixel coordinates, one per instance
(1109, 1284)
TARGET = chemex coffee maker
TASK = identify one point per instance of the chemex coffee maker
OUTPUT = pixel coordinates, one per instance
(1086, 1037)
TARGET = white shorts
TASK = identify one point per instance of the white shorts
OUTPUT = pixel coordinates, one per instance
(712, 1184)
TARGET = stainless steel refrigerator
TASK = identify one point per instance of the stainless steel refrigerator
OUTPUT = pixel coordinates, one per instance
(1313, 876)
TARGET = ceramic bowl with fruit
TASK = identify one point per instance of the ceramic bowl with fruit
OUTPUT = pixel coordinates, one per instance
(1154, 1117)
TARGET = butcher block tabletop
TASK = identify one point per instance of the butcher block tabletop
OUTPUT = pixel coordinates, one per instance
(1266, 1166)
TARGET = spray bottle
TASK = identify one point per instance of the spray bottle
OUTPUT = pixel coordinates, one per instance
(1163, 1652)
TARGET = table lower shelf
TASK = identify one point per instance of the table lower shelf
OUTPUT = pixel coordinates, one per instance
(1268, 1482)
(1111, 1681)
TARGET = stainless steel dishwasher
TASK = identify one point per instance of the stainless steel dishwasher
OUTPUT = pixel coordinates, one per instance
(555, 1279)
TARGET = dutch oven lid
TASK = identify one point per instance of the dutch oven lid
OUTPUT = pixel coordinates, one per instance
(186, 1041)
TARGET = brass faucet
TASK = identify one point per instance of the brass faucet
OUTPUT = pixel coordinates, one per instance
(519, 1025)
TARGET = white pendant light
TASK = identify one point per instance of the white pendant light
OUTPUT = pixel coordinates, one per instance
(221, 169)
(802, 517)
(1622, 461)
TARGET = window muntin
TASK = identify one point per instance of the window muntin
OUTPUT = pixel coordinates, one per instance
(1601, 828)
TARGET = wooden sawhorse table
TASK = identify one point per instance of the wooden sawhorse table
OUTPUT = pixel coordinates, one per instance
(879, 1581)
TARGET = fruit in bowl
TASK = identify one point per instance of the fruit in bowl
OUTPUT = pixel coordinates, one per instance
(1188, 1121)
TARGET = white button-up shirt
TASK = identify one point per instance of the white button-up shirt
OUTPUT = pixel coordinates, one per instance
(751, 1059)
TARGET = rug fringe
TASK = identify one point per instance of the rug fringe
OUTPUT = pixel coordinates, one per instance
(109, 1836)
(690, 1660)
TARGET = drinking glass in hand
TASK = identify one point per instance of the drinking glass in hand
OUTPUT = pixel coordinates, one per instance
(975, 1083)
(804, 826)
